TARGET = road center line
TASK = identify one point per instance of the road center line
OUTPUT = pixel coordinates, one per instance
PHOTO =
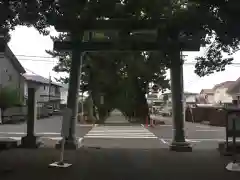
(164, 142)
(204, 127)
(210, 130)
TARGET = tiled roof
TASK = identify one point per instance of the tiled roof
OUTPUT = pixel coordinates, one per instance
(39, 79)
(226, 84)
(234, 88)
(207, 91)
(9, 54)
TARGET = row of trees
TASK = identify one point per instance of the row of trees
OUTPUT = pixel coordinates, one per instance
(123, 77)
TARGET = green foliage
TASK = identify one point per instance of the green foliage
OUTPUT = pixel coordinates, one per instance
(216, 18)
(114, 74)
(9, 97)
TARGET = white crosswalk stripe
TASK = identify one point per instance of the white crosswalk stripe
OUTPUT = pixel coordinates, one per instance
(120, 132)
(18, 138)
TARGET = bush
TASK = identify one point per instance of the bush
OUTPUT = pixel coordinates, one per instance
(9, 97)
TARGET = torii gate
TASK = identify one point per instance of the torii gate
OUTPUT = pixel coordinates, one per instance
(77, 46)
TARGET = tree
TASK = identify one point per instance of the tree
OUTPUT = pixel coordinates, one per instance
(9, 97)
(220, 19)
(181, 18)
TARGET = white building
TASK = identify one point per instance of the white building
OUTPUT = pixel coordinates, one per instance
(221, 92)
(11, 71)
(48, 92)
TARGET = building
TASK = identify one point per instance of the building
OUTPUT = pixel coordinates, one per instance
(221, 92)
(234, 91)
(11, 71)
(48, 92)
(152, 97)
(189, 97)
(207, 95)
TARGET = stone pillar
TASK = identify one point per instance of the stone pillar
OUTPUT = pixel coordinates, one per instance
(30, 140)
(179, 143)
(73, 94)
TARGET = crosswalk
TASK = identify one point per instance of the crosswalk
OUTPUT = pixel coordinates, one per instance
(120, 132)
(18, 138)
(102, 131)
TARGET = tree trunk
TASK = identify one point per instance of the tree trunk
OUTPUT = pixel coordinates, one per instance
(2, 115)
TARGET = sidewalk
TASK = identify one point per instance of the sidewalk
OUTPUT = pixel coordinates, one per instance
(115, 164)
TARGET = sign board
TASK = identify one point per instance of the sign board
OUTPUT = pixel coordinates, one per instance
(67, 113)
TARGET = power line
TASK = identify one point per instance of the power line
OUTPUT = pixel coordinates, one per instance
(35, 56)
(42, 60)
(31, 71)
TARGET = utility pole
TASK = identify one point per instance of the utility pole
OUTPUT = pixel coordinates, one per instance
(49, 89)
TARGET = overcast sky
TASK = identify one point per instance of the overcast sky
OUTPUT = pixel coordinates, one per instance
(28, 42)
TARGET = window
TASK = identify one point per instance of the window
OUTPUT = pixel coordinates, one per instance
(9, 77)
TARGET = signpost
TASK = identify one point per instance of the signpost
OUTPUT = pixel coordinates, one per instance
(65, 133)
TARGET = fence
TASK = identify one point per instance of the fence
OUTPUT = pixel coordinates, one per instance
(211, 114)
(20, 113)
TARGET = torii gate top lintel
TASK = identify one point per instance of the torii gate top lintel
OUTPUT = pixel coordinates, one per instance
(118, 25)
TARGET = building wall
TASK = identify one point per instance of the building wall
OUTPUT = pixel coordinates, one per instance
(42, 93)
(210, 98)
(236, 93)
(190, 99)
(221, 94)
(9, 76)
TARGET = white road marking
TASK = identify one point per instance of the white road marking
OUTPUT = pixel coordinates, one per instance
(160, 125)
(196, 140)
(17, 133)
(120, 132)
(85, 125)
(193, 141)
(51, 138)
(121, 137)
(164, 142)
(210, 130)
(48, 133)
(38, 134)
(203, 127)
(13, 138)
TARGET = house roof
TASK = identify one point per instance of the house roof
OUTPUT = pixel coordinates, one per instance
(234, 88)
(207, 91)
(185, 92)
(226, 84)
(14, 61)
(39, 79)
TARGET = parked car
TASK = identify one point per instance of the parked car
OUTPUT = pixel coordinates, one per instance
(166, 111)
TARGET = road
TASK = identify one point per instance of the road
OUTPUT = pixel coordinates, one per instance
(199, 135)
(121, 134)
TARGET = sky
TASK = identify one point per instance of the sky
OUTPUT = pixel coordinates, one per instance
(26, 41)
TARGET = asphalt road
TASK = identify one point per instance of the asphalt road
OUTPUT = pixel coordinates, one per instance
(118, 133)
(199, 135)
(48, 127)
